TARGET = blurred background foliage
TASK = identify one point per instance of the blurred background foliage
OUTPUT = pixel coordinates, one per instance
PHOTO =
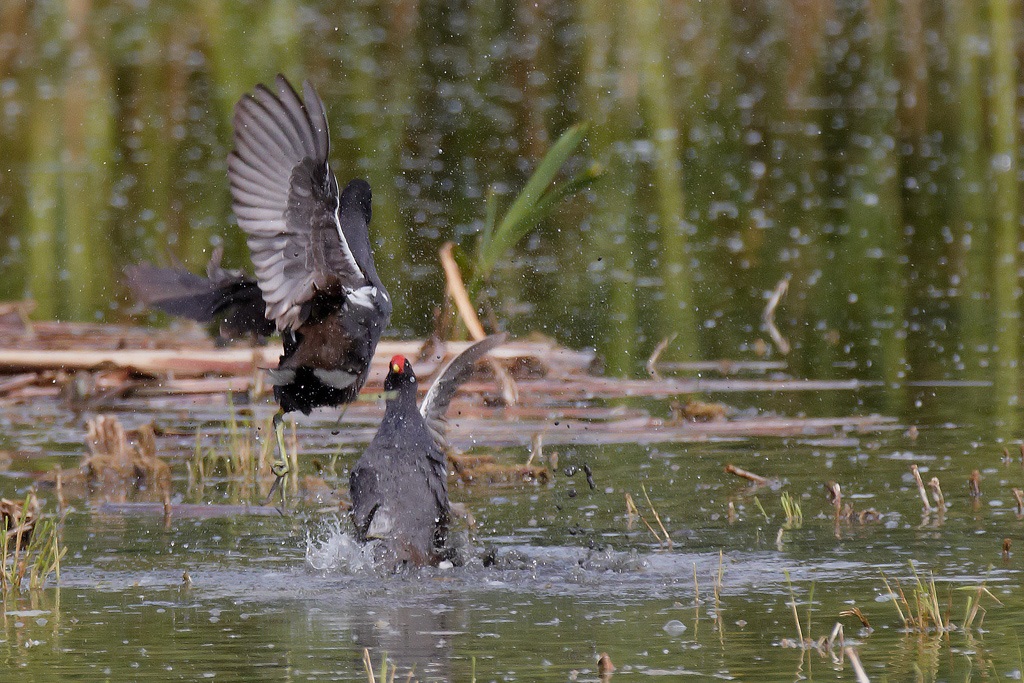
(866, 150)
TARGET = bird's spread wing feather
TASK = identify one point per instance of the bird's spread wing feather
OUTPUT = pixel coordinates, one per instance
(286, 199)
(435, 403)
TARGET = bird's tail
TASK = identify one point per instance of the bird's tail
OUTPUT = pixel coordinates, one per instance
(229, 297)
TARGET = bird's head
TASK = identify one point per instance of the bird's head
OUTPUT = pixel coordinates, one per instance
(400, 374)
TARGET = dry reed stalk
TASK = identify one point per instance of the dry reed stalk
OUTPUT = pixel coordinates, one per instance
(633, 513)
(457, 290)
(940, 500)
(368, 665)
(61, 502)
(837, 634)
(796, 613)
(855, 664)
(920, 487)
(604, 665)
(536, 449)
(657, 517)
(719, 621)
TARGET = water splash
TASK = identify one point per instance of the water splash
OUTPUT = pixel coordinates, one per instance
(332, 548)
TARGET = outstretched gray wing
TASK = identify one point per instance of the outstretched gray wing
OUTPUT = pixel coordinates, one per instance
(286, 199)
(439, 397)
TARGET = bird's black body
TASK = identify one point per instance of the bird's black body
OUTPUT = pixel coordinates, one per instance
(399, 487)
(310, 245)
(316, 282)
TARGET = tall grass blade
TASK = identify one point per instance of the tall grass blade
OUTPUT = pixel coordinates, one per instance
(532, 202)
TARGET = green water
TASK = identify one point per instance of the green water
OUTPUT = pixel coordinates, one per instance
(572, 574)
(868, 152)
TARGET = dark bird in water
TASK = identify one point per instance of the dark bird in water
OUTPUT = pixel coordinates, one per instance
(228, 297)
(310, 245)
(399, 487)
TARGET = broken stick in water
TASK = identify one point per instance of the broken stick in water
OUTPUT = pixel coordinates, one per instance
(768, 317)
(974, 484)
(750, 476)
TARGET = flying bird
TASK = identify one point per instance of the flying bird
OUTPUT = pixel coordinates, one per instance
(316, 282)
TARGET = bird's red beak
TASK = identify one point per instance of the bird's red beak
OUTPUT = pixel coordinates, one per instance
(398, 364)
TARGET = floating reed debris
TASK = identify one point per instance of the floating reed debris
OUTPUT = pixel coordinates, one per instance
(699, 411)
(1018, 495)
(749, 476)
(974, 484)
(486, 469)
(940, 500)
(920, 487)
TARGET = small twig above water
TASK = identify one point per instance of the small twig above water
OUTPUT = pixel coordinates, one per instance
(652, 362)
